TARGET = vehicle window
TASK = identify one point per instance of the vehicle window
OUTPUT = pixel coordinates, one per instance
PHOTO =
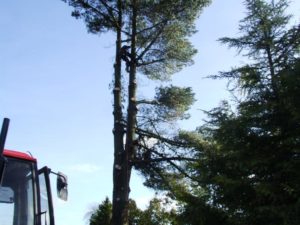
(44, 200)
(17, 196)
(6, 212)
(30, 199)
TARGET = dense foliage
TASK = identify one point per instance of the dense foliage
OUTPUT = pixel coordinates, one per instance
(102, 215)
(248, 167)
(154, 214)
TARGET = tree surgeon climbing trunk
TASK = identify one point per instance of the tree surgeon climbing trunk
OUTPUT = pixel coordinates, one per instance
(160, 54)
(131, 123)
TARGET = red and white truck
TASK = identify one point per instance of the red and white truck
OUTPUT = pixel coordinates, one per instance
(25, 192)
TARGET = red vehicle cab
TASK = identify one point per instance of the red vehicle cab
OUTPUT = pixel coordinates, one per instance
(18, 155)
(25, 192)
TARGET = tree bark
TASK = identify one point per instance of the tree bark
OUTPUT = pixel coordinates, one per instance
(131, 119)
(118, 131)
(123, 157)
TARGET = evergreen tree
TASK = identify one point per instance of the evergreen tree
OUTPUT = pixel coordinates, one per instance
(248, 170)
(152, 39)
(154, 214)
(102, 216)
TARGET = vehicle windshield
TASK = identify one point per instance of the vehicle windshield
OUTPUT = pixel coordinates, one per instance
(17, 194)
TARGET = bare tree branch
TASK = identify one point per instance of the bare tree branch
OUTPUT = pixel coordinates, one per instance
(163, 139)
(149, 102)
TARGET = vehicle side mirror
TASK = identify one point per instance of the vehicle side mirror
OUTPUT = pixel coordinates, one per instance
(62, 186)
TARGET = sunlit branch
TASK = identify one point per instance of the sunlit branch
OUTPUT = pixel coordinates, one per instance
(149, 102)
(169, 141)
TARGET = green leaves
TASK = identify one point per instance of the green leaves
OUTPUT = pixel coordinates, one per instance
(99, 16)
(267, 42)
(154, 214)
(162, 36)
(163, 28)
(174, 101)
(248, 158)
(102, 216)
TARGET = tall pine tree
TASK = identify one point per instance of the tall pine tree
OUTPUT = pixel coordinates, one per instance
(151, 39)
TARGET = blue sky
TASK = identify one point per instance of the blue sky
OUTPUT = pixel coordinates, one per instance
(54, 86)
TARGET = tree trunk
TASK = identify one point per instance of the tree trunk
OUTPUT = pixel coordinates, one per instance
(271, 62)
(119, 203)
(122, 158)
(131, 123)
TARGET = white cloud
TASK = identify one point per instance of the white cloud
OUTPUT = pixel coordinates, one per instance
(85, 168)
